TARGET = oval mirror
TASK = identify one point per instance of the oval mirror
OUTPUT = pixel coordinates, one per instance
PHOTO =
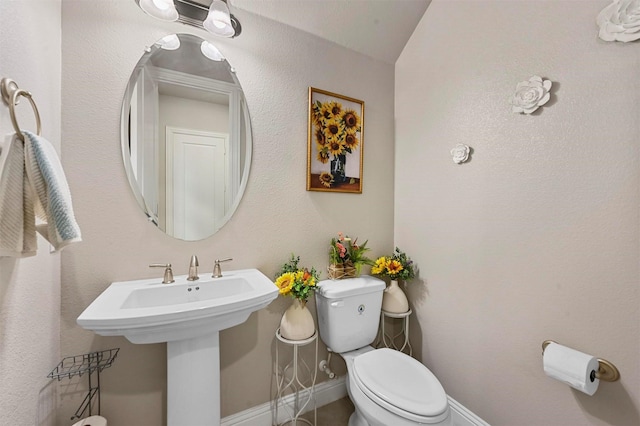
(186, 137)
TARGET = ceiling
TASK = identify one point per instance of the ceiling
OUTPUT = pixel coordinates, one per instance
(377, 28)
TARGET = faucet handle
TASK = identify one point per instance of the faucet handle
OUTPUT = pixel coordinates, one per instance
(168, 272)
(217, 271)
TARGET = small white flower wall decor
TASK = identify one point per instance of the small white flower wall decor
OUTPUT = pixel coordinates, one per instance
(620, 21)
(460, 153)
(530, 95)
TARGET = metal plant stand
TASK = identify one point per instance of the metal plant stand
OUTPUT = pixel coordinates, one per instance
(301, 386)
(389, 341)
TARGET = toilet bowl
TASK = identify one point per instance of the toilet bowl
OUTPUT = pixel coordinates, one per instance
(387, 387)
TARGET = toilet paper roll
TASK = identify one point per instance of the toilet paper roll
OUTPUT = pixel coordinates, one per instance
(571, 367)
(92, 421)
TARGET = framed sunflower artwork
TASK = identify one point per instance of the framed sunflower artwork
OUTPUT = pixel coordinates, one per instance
(335, 142)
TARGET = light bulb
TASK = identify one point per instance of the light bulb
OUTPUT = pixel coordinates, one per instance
(160, 9)
(210, 51)
(161, 4)
(169, 42)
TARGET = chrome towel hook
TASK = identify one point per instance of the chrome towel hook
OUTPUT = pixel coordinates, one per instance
(10, 94)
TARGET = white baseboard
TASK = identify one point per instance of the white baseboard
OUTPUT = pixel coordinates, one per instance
(326, 393)
(262, 415)
(462, 416)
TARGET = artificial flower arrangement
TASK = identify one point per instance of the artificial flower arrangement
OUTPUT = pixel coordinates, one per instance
(336, 134)
(295, 281)
(397, 266)
(347, 257)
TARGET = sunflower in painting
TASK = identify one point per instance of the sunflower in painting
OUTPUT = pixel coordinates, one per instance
(326, 179)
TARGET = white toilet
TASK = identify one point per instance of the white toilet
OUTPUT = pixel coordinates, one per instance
(386, 387)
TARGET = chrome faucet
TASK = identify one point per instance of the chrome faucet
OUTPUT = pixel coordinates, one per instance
(217, 272)
(193, 269)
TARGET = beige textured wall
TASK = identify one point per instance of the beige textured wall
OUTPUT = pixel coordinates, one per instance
(537, 236)
(102, 41)
(30, 288)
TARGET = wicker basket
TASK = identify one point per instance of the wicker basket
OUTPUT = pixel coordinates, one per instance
(338, 271)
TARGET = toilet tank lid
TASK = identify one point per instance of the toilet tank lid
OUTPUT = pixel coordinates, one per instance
(335, 289)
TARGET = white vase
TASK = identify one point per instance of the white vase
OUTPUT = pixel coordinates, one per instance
(394, 300)
(297, 321)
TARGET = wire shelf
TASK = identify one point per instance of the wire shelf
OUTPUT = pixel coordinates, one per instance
(78, 365)
(89, 363)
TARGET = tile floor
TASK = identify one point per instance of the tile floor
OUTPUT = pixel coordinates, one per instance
(335, 414)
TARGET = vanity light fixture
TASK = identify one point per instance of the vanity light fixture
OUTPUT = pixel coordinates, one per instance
(212, 15)
(210, 51)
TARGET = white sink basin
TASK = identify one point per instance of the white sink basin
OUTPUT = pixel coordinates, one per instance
(147, 311)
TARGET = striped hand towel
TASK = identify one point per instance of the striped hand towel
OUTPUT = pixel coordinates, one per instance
(52, 198)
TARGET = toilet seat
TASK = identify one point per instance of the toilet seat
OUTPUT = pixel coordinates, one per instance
(401, 385)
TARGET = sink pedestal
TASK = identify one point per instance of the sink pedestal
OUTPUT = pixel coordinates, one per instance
(193, 381)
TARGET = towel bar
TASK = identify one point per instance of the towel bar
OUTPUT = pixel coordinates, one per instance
(606, 370)
(10, 94)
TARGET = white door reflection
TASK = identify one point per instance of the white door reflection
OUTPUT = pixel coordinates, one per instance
(196, 182)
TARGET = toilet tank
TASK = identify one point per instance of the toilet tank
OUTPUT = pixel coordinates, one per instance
(349, 312)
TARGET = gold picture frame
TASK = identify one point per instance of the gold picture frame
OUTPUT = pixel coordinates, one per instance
(335, 142)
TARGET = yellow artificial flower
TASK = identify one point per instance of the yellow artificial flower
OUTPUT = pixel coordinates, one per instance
(394, 267)
(380, 266)
(285, 282)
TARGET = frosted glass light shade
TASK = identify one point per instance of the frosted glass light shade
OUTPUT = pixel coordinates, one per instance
(160, 9)
(169, 42)
(218, 20)
(210, 51)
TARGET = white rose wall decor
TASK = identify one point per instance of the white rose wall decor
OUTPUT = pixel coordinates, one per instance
(460, 153)
(620, 21)
(530, 95)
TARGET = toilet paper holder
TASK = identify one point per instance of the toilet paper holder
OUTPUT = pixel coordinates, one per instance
(606, 370)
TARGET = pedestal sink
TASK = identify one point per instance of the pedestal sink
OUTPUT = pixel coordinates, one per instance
(188, 315)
